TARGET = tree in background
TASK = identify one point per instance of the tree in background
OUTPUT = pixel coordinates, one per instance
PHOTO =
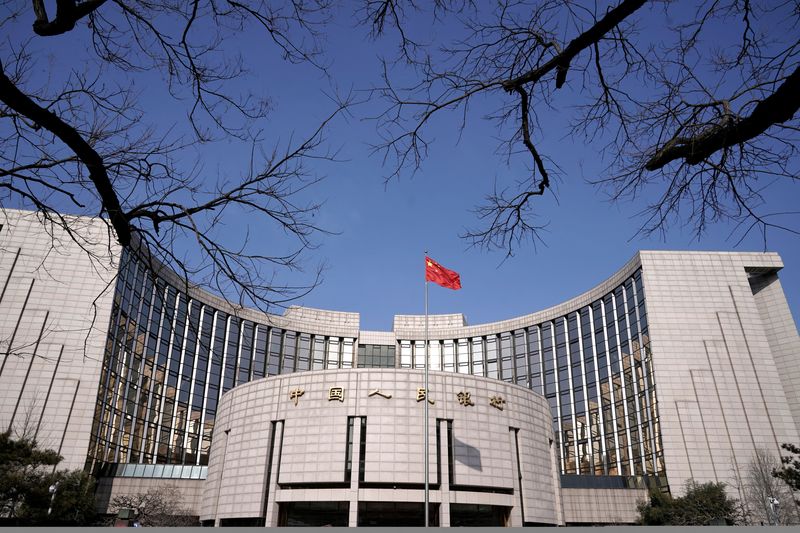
(158, 507)
(81, 138)
(27, 474)
(657, 510)
(691, 105)
(766, 498)
(21, 473)
(701, 505)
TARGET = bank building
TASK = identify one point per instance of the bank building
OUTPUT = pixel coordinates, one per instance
(679, 366)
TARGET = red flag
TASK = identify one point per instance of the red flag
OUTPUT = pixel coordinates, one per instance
(438, 274)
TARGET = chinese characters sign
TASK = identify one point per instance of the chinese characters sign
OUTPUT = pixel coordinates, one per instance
(464, 398)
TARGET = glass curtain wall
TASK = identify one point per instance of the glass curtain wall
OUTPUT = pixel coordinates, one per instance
(594, 367)
(169, 358)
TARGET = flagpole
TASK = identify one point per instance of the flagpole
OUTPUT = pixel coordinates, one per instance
(427, 392)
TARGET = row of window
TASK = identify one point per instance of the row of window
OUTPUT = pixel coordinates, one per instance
(376, 356)
(595, 369)
(154, 471)
(169, 359)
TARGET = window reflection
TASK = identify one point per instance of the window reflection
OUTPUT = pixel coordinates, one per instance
(169, 359)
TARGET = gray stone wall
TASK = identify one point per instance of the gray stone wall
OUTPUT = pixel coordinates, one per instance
(781, 331)
(607, 506)
(55, 303)
(188, 490)
(310, 444)
(719, 389)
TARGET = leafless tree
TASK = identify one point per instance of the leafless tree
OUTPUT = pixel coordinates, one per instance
(758, 486)
(692, 105)
(80, 139)
(158, 507)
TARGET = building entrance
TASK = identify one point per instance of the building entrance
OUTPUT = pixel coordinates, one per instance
(464, 515)
(314, 514)
(396, 514)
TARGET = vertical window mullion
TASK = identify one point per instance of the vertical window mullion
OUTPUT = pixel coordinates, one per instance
(151, 384)
(176, 401)
(160, 411)
(192, 381)
(168, 365)
(222, 373)
(204, 405)
(600, 417)
(649, 386)
(612, 394)
(620, 355)
(557, 386)
(106, 433)
(189, 308)
(130, 358)
(586, 407)
(540, 357)
(634, 381)
(573, 418)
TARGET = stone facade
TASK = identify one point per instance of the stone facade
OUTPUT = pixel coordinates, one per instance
(720, 393)
(500, 455)
(55, 302)
(679, 366)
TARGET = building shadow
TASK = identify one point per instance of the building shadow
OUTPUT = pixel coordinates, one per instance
(466, 454)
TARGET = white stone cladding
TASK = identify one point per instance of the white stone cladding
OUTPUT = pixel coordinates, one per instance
(54, 314)
(606, 506)
(720, 395)
(784, 342)
(310, 448)
(377, 337)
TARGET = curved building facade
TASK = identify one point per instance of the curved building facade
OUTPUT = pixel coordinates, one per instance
(172, 354)
(358, 437)
(678, 366)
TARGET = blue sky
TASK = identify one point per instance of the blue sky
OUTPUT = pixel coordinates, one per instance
(375, 266)
(375, 259)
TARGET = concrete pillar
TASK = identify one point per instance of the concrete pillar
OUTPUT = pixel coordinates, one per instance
(353, 520)
(272, 488)
(515, 518)
(444, 488)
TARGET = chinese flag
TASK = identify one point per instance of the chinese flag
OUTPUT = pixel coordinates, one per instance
(438, 274)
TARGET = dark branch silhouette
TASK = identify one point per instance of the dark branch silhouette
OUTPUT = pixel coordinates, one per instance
(691, 106)
(86, 144)
(16, 100)
(68, 13)
(777, 108)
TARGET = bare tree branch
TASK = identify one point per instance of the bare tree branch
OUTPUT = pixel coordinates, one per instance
(22, 104)
(692, 118)
(777, 108)
(68, 13)
(561, 61)
(86, 143)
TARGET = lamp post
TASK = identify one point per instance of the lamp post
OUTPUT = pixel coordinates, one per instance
(53, 489)
(774, 506)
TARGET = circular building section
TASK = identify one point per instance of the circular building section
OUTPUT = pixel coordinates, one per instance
(346, 447)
